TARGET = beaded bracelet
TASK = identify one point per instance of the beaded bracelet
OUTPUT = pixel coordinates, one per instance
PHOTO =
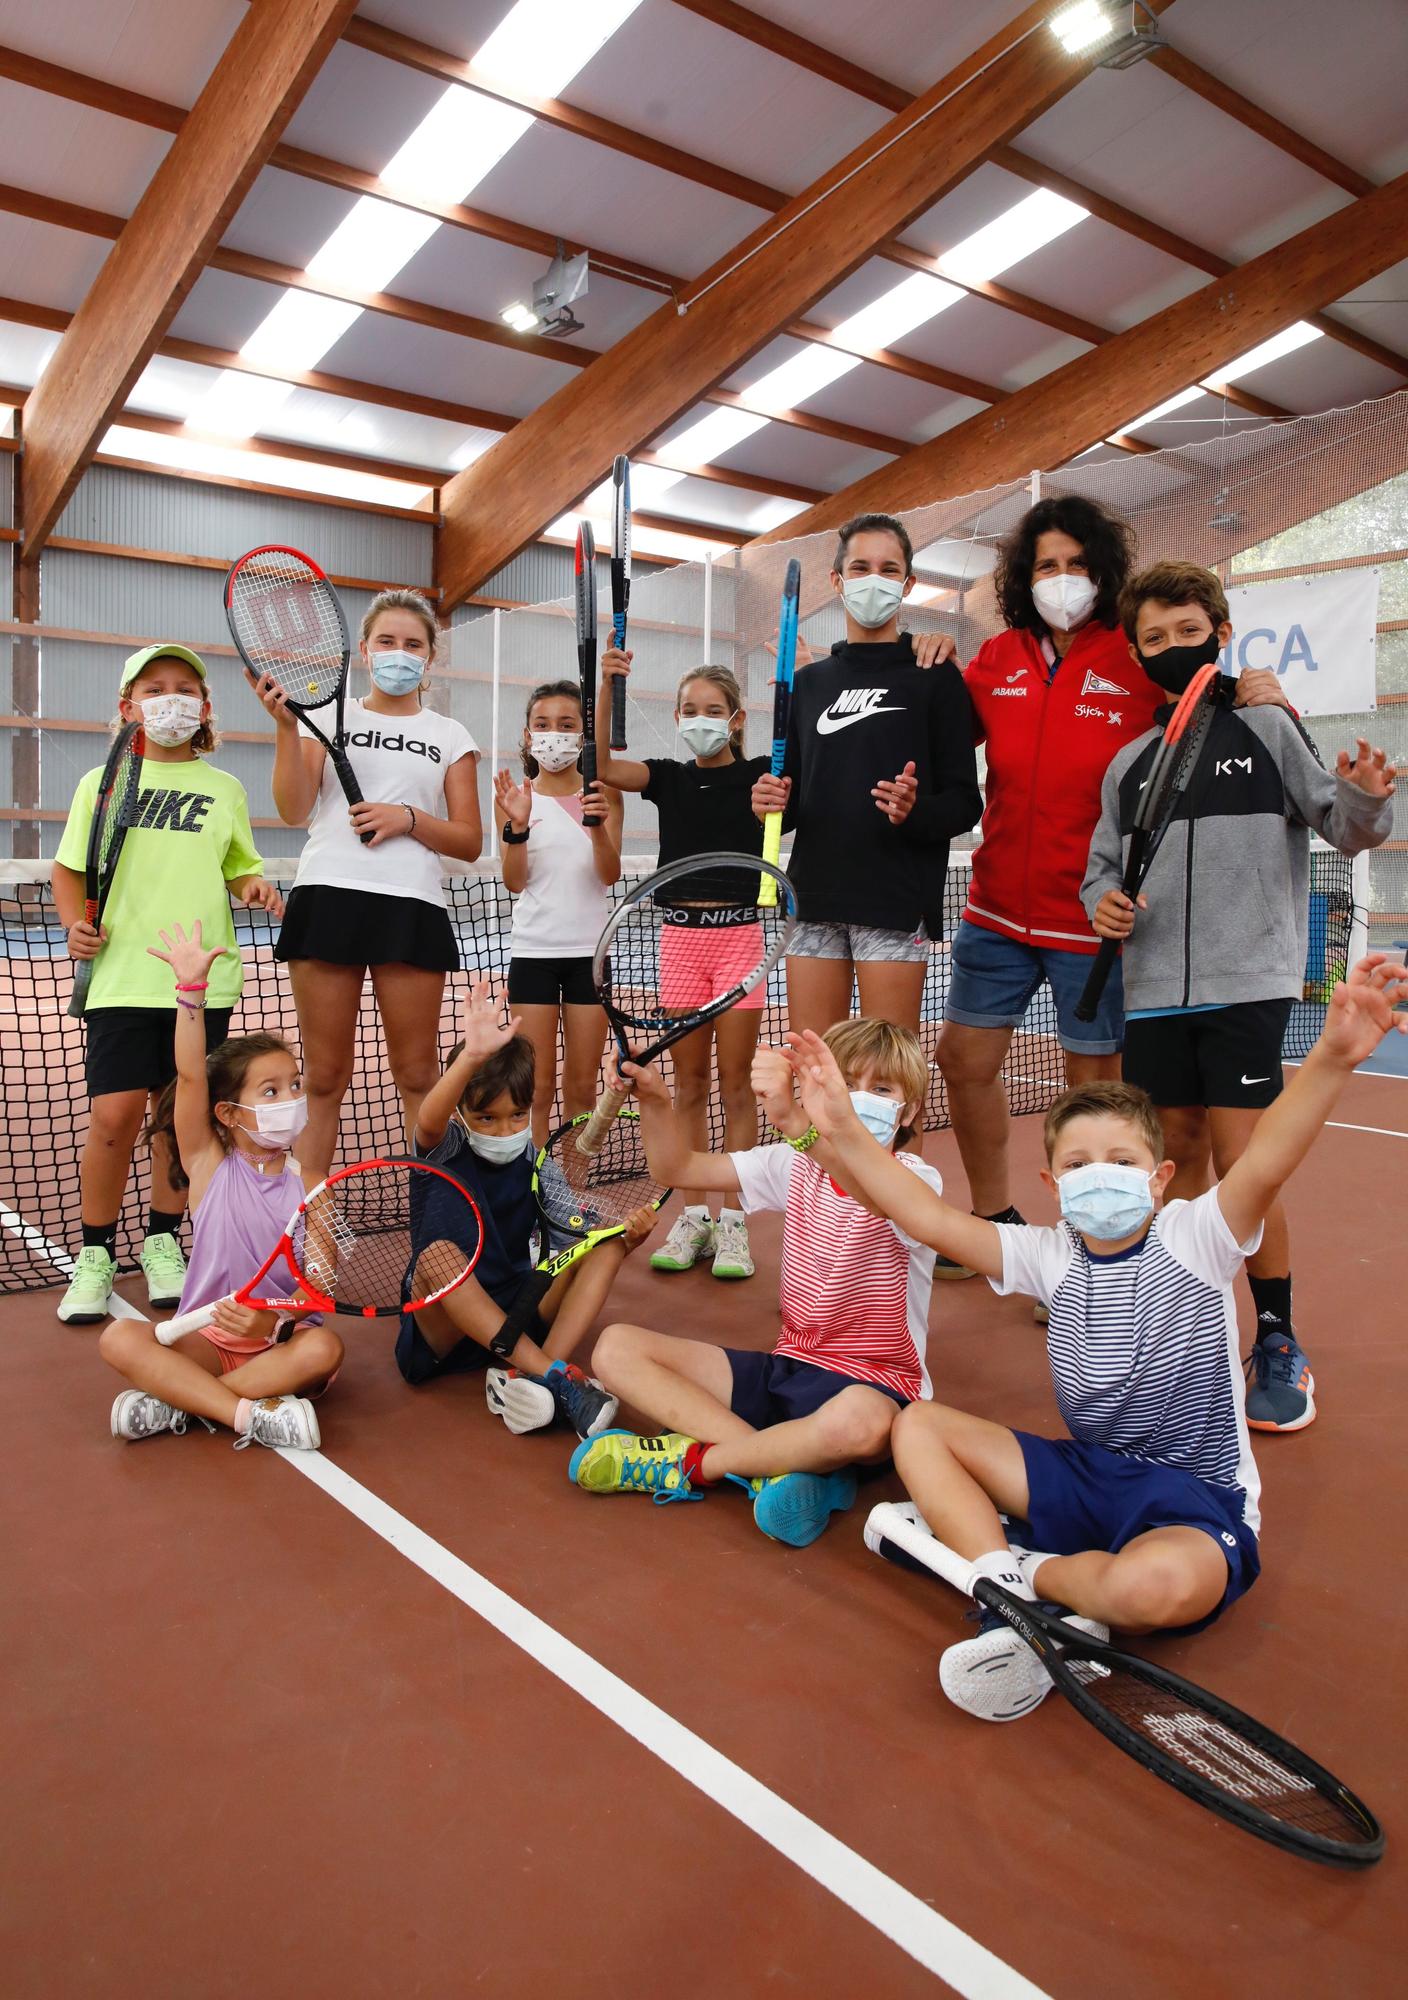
(804, 1142)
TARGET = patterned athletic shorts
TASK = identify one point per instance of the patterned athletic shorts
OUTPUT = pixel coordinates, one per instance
(859, 942)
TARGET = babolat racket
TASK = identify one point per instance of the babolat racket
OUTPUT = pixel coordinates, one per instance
(1175, 762)
(781, 715)
(583, 1200)
(586, 653)
(287, 621)
(373, 1240)
(1193, 1740)
(683, 946)
(114, 810)
(620, 586)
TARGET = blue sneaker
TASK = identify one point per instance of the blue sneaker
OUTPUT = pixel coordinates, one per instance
(995, 1675)
(1280, 1386)
(796, 1507)
(583, 1402)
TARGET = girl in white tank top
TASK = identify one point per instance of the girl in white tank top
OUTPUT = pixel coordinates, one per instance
(561, 854)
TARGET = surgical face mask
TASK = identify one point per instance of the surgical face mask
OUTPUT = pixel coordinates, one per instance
(879, 1115)
(276, 1126)
(554, 749)
(1175, 666)
(169, 719)
(872, 600)
(397, 673)
(497, 1149)
(1106, 1202)
(705, 735)
(1064, 601)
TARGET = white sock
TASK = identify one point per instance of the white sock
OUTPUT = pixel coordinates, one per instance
(1001, 1567)
(731, 1215)
(1029, 1561)
(699, 1210)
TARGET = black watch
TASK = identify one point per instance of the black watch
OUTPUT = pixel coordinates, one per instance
(512, 839)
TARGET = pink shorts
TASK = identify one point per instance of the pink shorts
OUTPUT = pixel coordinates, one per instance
(234, 1349)
(699, 965)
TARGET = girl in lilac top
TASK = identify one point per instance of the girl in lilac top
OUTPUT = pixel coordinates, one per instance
(233, 1117)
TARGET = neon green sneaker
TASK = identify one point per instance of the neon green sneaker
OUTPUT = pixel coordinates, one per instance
(88, 1298)
(691, 1238)
(733, 1256)
(621, 1462)
(164, 1269)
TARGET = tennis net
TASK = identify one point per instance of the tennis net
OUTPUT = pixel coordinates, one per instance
(41, 1048)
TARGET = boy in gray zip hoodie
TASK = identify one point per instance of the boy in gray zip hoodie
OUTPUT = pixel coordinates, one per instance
(1217, 954)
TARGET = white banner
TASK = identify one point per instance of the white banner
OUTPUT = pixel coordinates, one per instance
(1316, 632)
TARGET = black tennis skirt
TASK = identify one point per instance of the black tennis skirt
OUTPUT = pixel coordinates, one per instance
(358, 927)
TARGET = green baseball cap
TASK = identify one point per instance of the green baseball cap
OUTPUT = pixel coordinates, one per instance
(136, 662)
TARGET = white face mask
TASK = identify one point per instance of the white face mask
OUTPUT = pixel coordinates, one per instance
(879, 1115)
(873, 600)
(169, 719)
(1064, 601)
(554, 749)
(276, 1126)
(705, 735)
(497, 1149)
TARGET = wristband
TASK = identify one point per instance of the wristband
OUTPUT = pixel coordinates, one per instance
(408, 807)
(512, 839)
(805, 1141)
(193, 986)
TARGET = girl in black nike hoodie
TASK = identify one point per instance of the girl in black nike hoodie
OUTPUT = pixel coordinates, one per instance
(880, 775)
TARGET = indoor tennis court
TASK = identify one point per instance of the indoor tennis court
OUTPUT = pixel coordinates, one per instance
(811, 347)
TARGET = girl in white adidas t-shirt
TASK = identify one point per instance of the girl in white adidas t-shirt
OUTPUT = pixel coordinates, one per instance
(561, 853)
(378, 907)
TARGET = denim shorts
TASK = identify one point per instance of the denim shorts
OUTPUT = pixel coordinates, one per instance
(994, 978)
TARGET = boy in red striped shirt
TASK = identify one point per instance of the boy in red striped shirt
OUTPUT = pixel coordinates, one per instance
(785, 1426)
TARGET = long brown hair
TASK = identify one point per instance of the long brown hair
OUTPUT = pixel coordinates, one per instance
(726, 681)
(226, 1068)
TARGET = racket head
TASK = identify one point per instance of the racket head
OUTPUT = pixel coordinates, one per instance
(620, 540)
(786, 664)
(287, 621)
(1201, 1745)
(385, 1236)
(1177, 755)
(114, 809)
(584, 1196)
(584, 599)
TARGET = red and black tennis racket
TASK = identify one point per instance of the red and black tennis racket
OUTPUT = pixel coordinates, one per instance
(620, 586)
(1172, 771)
(374, 1240)
(114, 810)
(586, 653)
(287, 622)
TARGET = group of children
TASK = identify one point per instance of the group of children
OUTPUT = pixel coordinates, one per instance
(1146, 1516)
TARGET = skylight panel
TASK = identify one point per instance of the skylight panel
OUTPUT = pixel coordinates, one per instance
(455, 145)
(713, 435)
(898, 312)
(540, 45)
(806, 374)
(1028, 227)
(194, 454)
(370, 245)
(1274, 349)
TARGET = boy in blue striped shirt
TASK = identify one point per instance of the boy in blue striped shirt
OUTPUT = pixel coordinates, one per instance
(1146, 1517)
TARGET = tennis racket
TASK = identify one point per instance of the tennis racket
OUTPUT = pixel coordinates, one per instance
(287, 621)
(583, 1201)
(114, 810)
(620, 586)
(1175, 762)
(1193, 1740)
(781, 716)
(657, 963)
(586, 653)
(356, 1244)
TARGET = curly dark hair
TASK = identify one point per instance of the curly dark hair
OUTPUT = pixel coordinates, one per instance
(1108, 541)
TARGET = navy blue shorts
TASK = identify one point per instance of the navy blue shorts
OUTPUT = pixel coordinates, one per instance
(774, 1389)
(1081, 1497)
(419, 1363)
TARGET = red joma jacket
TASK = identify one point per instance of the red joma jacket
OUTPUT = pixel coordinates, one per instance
(1050, 737)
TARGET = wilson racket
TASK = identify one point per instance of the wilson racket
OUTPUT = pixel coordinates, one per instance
(620, 586)
(583, 1200)
(586, 653)
(114, 810)
(1174, 764)
(373, 1240)
(1213, 1753)
(287, 621)
(683, 946)
(781, 716)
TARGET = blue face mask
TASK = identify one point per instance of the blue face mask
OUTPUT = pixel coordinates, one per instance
(1106, 1202)
(397, 673)
(879, 1115)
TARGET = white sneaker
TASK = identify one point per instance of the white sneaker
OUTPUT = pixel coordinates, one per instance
(996, 1676)
(733, 1257)
(690, 1238)
(523, 1401)
(89, 1296)
(287, 1421)
(137, 1415)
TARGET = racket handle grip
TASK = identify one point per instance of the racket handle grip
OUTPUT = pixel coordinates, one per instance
(589, 774)
(169, 1331)
(892, 1532)
(618, 700)
(351, 790)
(592, 1136)
(772, 851)
(82, 980)
(1088, 1004)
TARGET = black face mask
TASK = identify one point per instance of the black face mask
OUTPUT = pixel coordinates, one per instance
(1175, 666)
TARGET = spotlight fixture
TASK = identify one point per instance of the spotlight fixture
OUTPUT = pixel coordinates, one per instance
(1086, 23)
(551, 313)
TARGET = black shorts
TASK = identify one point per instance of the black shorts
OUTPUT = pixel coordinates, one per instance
(774, 1389)
(551, 982)
(360, 927)
(133, 1048)
(1224, 1056)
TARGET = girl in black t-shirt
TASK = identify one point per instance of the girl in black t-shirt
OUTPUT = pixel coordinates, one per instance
(704, 808)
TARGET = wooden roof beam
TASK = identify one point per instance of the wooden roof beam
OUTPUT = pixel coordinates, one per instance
(233, 127)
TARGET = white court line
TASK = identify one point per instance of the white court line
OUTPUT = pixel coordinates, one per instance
(938, 1945)
(1384, 1131)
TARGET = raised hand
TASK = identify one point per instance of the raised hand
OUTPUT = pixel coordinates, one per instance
(274, 700)
(616, 662)
(772, 1084)
(825, 1096)
(1368, 769)
(1361, 1009)
(189, 959)
(482, 1028)
(643, 1080)
(895, 796)
(514, 801)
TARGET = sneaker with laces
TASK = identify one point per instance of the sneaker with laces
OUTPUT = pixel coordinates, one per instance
(1280, 1386)
(583, 1402)
(733, 1255)
(796, 1507)
(691, 1237)
(282, 1421)
(89, 1296)
(137, 1415)
(621, 1462)
(995, 1675)
(525, 1402)
(164, 1269)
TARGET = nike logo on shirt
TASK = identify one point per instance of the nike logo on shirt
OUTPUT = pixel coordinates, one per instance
(854, 706)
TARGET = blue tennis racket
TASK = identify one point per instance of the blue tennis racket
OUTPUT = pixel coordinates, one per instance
(781, 717)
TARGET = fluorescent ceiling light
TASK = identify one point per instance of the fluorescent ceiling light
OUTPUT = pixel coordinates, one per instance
(1028, 227)
(713, 435)
(897, 312)
(806, 374)
(191, 454)
(1270, 350)
(771, 514)
(455, 145)
(299, 331)
(1165, 408)
(370, 245)
(239, 405)
(1081, 25)
(540, 45)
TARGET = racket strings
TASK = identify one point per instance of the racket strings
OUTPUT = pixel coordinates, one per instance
(384, 1235)
(290, 626)
(669, 959)
(579, 1192)
(120, 815)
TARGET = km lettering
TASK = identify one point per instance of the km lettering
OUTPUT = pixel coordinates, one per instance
(172, 812)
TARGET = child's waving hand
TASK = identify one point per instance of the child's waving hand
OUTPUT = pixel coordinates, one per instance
(825, 1097)
(482, 1028)
(188, 958)
(1361, 1010)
